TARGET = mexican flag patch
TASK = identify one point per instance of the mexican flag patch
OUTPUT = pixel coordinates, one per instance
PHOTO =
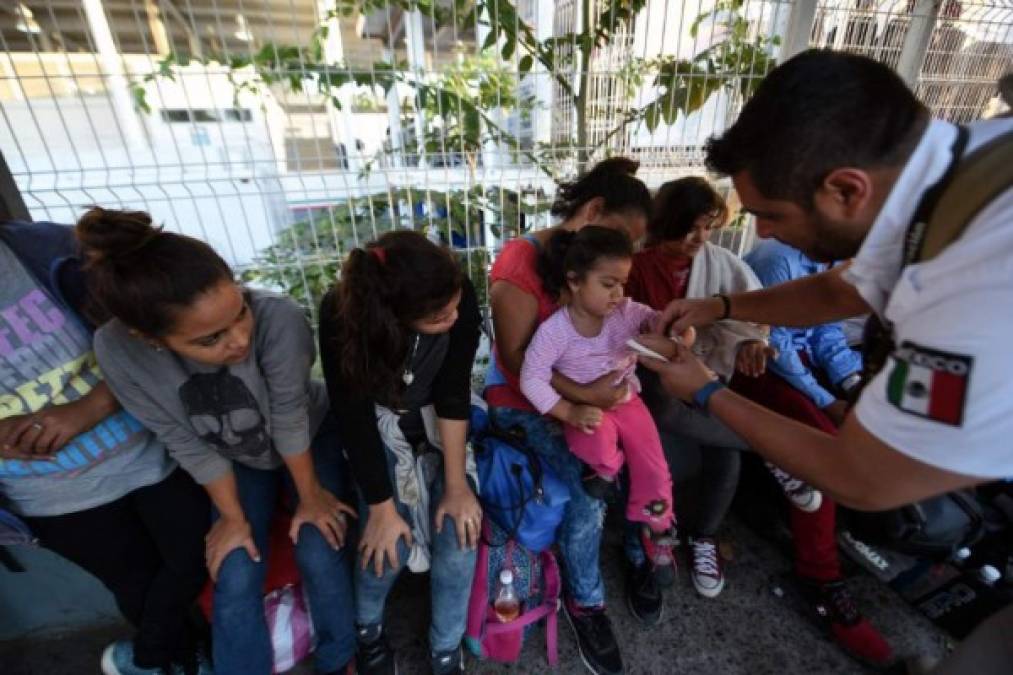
(929, 383)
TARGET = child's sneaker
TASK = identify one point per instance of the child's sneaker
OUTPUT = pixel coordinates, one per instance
(596, 485)
(708, 579)
(658, 549)
(118, 659)
(802, 495)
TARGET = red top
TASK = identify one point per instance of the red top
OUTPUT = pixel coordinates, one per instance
(657, 279)
(517, 264)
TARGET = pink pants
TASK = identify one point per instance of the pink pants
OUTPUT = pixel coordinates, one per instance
(627, 433)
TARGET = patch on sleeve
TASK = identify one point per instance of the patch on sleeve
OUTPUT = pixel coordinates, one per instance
(929, 383)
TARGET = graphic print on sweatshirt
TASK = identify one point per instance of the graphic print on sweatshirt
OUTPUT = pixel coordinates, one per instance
(224, 412)
(46, 359)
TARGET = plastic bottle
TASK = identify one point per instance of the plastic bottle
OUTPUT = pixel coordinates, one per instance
(507, 605)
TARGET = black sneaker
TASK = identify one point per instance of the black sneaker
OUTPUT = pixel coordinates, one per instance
(447, 663)
(643, 596)
(374, 656)
(595, 640)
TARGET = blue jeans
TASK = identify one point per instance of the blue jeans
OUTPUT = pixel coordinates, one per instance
(581, 529)
(451, 573)
(242, 644)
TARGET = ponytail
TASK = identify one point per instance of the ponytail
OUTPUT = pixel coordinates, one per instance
(614, 180)
(139, 273)
(400, 278)
(577, 252)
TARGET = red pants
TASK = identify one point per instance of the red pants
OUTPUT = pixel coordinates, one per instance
(813, 534)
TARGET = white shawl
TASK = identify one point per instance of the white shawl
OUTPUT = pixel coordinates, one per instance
(718, 270)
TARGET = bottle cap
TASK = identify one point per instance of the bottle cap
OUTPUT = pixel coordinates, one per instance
(989, 575)
(506, 577)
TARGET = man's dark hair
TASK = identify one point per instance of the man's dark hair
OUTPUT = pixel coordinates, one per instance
(814, 113)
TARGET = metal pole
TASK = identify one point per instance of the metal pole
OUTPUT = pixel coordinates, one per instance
(12, 206)
(800, 26)
(112, 68)
(916, 41)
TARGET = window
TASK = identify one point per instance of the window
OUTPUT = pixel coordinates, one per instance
(181, 115)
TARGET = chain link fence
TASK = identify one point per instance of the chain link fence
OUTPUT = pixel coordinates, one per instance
(284, 132)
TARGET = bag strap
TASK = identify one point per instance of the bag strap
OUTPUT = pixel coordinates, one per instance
(516, 439)
(968, 185)
(979, 179)
(549, 611)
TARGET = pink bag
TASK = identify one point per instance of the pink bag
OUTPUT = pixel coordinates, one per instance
(290, 626)
(489, 638)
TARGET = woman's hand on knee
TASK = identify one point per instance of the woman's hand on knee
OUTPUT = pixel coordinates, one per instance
(225, 536)
(379, 539)
(460, 503)
(324, 511)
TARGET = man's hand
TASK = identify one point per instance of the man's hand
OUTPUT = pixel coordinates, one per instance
(378, 542)
(462, 506)
(751, 359)
(325, 512)
(586, 417)
(837, 411)
(683, 314)
(683, 376)
(225, 536)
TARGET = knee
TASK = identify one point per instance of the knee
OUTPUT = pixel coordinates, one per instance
(240, 577)
(447, 547)
(314, 554)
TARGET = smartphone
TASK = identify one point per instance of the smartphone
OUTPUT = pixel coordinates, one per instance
(641, 349)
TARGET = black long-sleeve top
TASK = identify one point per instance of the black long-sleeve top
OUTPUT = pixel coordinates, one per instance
(441, 369)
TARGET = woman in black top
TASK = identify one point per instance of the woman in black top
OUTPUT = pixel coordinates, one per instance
(398, 337)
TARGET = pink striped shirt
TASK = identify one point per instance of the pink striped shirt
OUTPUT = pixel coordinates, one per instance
(557, 345)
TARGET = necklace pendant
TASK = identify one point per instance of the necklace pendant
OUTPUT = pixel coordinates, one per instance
(408, 377)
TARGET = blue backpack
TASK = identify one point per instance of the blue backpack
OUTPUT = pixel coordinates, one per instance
(518, 490)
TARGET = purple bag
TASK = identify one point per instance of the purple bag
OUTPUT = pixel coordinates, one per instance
(489, 638)
(290, 626)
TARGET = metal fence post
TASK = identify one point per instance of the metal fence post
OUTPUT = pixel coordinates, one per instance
(916, 41)
(800, 26)
(12, 205)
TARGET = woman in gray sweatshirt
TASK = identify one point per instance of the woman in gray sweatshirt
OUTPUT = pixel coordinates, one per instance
(222, 375)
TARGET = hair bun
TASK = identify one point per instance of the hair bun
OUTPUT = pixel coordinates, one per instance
(616, 165)
(110, 234)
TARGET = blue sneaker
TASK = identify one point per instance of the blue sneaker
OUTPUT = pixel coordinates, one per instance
(118, 659)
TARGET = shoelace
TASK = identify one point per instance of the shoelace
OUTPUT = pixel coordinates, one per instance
(705, 558)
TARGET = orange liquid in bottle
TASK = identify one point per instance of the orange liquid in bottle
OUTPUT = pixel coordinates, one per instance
(507, 609)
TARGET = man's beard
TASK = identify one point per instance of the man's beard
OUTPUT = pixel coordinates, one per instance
(832, 241)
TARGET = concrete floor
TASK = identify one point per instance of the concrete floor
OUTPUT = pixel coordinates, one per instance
(748, 629)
